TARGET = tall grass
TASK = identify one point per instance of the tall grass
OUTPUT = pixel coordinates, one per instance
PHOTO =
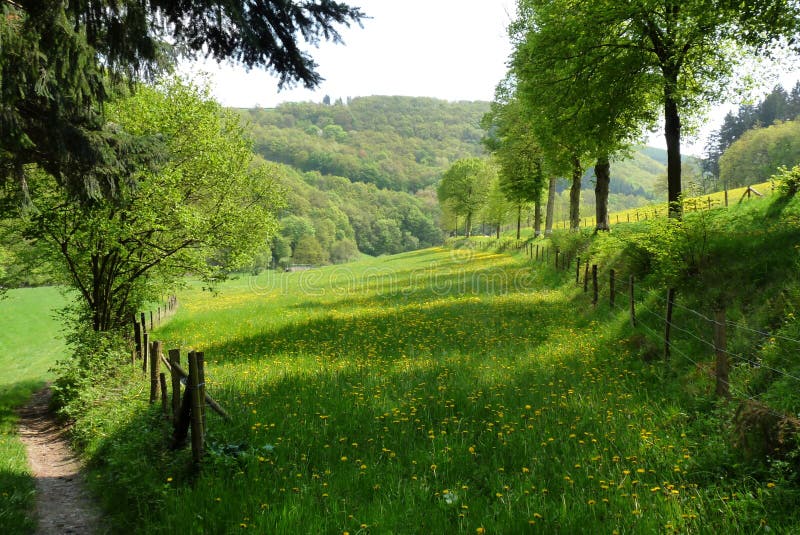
(430, 392)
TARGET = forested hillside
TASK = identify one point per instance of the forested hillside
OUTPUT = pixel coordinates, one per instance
(361, 174)
(330, 219)
(398, 143)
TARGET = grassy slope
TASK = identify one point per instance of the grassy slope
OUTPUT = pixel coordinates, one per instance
(30, 342)
(431, 392)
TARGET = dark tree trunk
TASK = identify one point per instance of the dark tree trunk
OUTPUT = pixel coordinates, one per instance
(602, 172)
(537, 217)
(519, 220)
(672, 133)
(551, 206)
(468, 226)
(575, 196)
(498, 231)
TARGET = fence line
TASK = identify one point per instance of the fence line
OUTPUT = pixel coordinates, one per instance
(186, 411)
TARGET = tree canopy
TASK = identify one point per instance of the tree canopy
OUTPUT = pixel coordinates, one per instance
(204, 211)
(464, 188)
(676, 55)
(59, 62)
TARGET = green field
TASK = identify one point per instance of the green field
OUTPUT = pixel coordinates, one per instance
(30, 343)
(440, 391)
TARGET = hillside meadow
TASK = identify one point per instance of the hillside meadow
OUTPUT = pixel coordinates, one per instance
(439, 391)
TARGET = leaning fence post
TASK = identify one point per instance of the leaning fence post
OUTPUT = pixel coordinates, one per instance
(155, 367)
(668, 322)
(196, 416)
(633, 301)
(578, 271)
(721, 350)
(594, 284)
(175, 358)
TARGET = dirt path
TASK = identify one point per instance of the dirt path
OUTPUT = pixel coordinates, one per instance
(62, 503)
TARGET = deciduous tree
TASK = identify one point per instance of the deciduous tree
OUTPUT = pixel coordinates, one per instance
(464, 188)
(203, 211)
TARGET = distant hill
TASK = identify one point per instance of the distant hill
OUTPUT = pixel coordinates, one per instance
(398, 143)
(363, 172)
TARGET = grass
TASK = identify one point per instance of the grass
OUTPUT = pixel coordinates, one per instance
(440, 391)
(30, 342)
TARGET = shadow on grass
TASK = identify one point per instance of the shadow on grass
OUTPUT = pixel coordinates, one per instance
(16, 503)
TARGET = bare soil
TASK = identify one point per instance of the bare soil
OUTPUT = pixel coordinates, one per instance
(63, 505)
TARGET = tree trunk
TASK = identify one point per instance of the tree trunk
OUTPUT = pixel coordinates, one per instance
(602, 172)
(672, 133)
(537, 217)
(519, 220)
(575, 196)
(468, 226)
(551, 206)
(498, 231)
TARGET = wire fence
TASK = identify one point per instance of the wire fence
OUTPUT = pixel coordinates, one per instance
(692, 326)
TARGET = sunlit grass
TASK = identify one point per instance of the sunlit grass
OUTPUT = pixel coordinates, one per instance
(431, 392)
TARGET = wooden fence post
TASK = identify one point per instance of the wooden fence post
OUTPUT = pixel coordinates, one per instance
(578, 272)
(144, 323)
(175, 358)
(668, 322)
(611, 288)
(721, 350)
(196, 416)
(155, 368)
(201, 385)
(594, 284)
(151, 320)
(164, 404)
(633, 301)
(145, 349)
(586, 278)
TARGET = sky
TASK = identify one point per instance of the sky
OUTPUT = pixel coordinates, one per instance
(448, 49)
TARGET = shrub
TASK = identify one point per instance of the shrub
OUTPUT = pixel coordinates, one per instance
(788, 180)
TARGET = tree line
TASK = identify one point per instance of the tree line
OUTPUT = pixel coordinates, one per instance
(586, 79)
(745, 150)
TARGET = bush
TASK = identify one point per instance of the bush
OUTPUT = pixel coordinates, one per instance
(788, 180)
(94, 354)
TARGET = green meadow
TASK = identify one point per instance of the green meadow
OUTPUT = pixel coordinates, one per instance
(440, 391)
(30, 343)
